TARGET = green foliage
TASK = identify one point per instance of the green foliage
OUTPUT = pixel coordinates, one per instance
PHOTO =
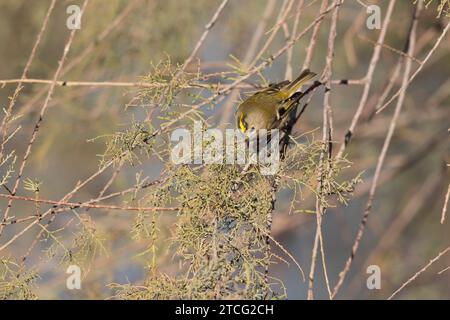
(300, 169)
(220, 237)
(15, 282)
(443, 7)
(32, 185)
(216, 246)
(169, 80)
(125, 145)
(8, 170)
(86, 245)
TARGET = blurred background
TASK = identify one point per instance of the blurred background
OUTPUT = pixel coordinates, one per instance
(123, 41)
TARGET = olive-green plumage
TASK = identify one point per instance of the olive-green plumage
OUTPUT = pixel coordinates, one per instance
(267, 108)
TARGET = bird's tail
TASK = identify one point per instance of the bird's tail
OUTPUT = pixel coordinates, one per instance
(294, 85)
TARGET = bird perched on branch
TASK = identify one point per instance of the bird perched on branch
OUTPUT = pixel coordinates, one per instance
(267, 109)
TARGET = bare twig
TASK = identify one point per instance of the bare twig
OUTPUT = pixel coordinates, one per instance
(444, 209)
(125, 84)
(369, 78)
(86, 51)
(418, 273)
(74, 205)
(50, 211)
(313, 41)
(430, 53)
(285, 9)
(326, 151)
(288, 74)
(257, 35)
(8, 112)
(40, 119)
(199, 43)
(410, 50)
(254, 70)
(411, 209)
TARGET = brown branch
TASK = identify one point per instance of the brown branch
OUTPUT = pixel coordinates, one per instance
(125, 84)
(288, 74)
(74, 205)
(285, 9)
(313, 41)
(248, 59)
(410, 50)
(100, 83)
(8, 112)
(41, 117)
(444, 209)
(79, 58)
(208, 28)
(418, 273)
(388, 47)
(430, 53)
(53, 217)
(369, 78)
(55, 212)
(402, 219)
(326, 150)
(233, 85)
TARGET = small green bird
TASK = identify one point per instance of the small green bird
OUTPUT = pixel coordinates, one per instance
(267, 108)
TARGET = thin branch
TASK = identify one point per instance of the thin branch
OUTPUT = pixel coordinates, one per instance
(285, 9)
(233, 85)
(125, 84)
(3, 126)
(444, 209)
(288, 74)
(369, 78)
(326, 150)
(51, 211)
(79, 58)
(62, 83)
(208, 28)
(414, 277)
(314, 36)
(86, 204)
(410, 50)
(430, 53)
(74, 205)
(402, 220)
(388, 47)
(40, 119)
